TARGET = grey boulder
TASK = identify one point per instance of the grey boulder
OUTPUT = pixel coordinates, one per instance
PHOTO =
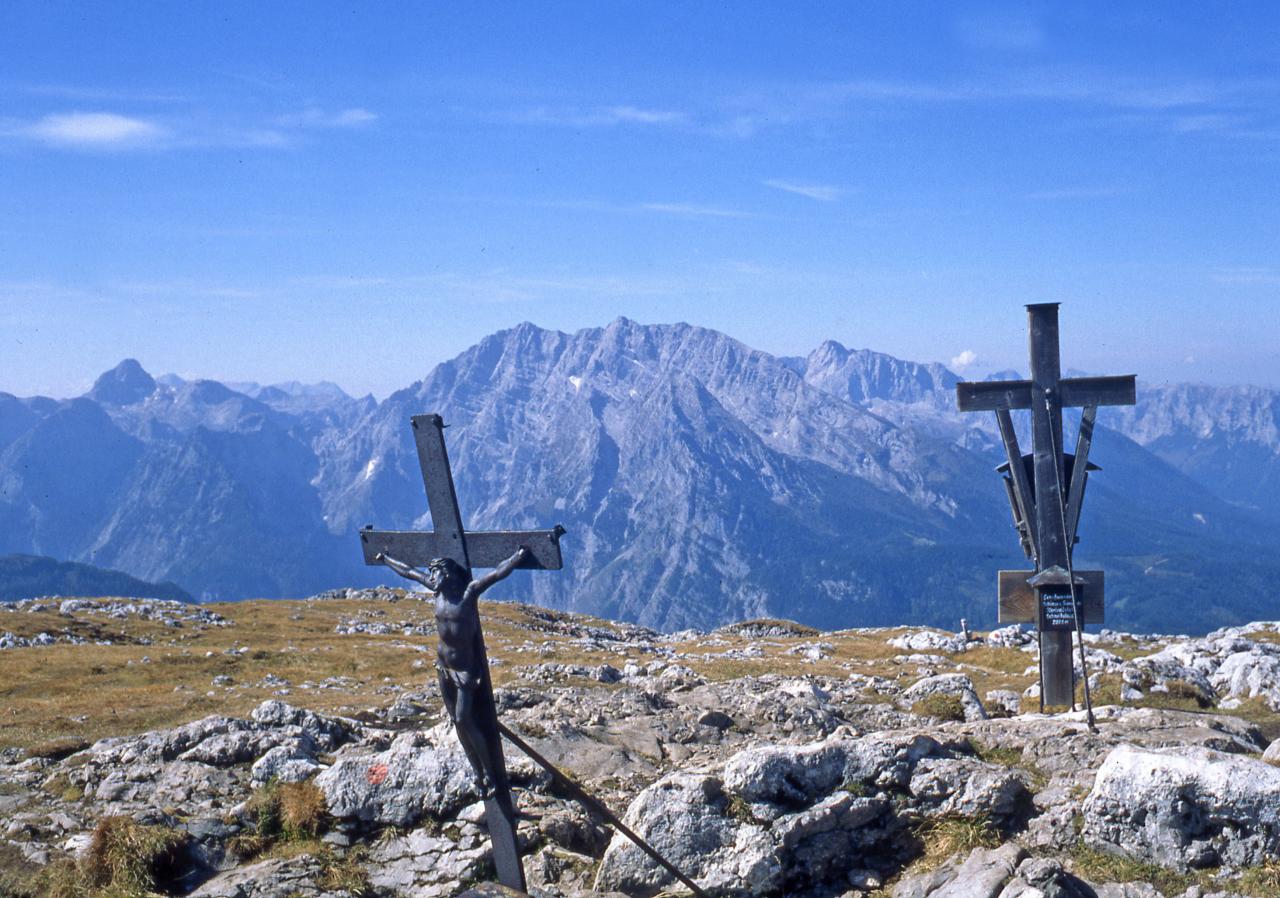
(1188, 808)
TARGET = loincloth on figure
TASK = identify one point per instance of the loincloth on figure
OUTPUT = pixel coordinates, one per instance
(463, 679)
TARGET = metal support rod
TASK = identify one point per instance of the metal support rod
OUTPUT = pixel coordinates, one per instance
(591, 803)
(1075, 605)
(1079, 475)
(1021, 489)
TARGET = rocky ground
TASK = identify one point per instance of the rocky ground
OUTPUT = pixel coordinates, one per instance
(763, 758)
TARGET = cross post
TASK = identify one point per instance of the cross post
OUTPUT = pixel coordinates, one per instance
(1046, 495)
(479, 549)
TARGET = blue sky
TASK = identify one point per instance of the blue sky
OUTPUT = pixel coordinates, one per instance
(355, 192)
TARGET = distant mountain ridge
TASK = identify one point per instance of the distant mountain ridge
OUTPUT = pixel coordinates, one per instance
(701, 481)
(32, 576)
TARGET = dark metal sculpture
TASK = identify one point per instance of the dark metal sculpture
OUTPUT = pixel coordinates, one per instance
(1046, 492)
(448, 553)
(461, 665)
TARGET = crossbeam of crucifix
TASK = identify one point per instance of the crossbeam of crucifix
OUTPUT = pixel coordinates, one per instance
(1046, 501)
(404, 550)
(449, 540)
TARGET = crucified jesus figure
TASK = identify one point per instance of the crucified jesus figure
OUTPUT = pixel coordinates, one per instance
(461, 664)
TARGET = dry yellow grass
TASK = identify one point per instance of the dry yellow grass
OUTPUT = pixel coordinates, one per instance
(53, 699)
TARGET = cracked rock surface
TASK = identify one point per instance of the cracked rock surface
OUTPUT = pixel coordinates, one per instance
(814, 779)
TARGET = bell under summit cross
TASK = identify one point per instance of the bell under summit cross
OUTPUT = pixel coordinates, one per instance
(449, 553)
(1046, 491)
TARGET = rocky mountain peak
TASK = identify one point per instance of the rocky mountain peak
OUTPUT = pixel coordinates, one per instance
(861, 375)
(125, 384)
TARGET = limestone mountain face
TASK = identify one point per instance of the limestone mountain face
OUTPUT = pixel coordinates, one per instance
(1226, 437)
(700, 481)
(193, 483)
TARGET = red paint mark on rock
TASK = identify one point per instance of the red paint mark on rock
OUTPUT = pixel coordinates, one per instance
(376, 774)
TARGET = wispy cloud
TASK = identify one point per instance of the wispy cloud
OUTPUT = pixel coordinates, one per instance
(822, 192)
(693, 209)
(93, 130)
(1036, 84)
(600, 116)
(184, 287)
(106, 130)
(1231, 107)
(1210, 121)
(964, 359)
(1076, 193)
(318, 118)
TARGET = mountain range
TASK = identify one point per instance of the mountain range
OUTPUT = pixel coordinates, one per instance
(31, 576)
(700, 481)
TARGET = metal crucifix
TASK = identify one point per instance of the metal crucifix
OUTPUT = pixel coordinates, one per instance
(449, 553)
(1046, 492)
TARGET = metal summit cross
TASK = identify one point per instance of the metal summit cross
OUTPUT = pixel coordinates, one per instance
(462, 662)
(1046, 491)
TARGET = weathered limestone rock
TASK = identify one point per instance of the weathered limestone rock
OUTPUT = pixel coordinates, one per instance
(295, 877)
(948, 684)
(1185, 809)
(1172, 665)
(425, 865)
(777, 778)
(685, 816)
(983, 874)
(791, 817)
(1272, 754)
(398, 787)
(1251, 674)
(970, 787)
(1003, 702)
(286, 764)
(326, 732)
(929, 641)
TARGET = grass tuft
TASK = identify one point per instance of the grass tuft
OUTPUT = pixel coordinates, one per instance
(345, 873)
(1259, 882)
(130, 857)
(940, 705)
(125, 859)
(1004, 755)
(941, 837)
(57, 749)
(1103, 867)
(282, 813)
